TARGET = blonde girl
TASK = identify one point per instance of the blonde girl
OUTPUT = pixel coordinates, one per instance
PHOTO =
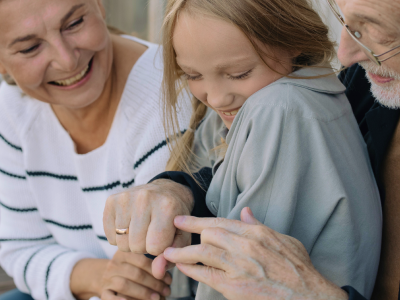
(293, 145)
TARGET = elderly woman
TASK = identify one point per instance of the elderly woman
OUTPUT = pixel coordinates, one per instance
(79, 121)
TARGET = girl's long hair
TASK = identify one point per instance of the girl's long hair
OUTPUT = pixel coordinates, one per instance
(290, 25)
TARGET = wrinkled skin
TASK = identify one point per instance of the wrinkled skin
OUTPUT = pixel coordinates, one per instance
(249, 260)
(149, 211)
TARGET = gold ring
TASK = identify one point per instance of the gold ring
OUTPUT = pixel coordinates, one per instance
(122, 231)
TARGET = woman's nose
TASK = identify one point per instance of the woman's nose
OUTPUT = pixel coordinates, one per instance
(349, 51)
(65, 58)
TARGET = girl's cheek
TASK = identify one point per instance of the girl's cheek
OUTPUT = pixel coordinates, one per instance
(197, 91)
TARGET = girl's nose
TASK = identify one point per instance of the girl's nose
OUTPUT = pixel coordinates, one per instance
(218, 97)
(349, 51)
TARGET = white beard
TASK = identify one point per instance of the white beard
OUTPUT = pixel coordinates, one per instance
(389, 94)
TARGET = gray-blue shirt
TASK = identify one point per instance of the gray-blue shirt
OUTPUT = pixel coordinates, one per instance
(296, 157)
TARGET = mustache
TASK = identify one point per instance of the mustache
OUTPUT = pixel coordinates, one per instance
(383, 71)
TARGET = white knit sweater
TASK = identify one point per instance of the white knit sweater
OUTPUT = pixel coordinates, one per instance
(52, 198)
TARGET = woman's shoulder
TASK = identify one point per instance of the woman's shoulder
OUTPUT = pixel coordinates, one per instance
(17, 110)
(318, 98)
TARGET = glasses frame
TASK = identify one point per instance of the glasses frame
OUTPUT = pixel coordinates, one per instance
(371, 55)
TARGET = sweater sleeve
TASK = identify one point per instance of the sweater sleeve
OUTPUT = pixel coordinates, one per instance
(28, 253)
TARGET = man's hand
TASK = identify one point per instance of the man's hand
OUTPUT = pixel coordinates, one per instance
(247, 260)
(149, 211)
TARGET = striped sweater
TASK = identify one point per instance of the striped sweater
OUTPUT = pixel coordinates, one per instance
(52, 198)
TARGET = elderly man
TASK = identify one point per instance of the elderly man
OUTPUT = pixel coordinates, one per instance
(248, 260)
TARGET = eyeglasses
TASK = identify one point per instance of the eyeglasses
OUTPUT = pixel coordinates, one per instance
(356, 36)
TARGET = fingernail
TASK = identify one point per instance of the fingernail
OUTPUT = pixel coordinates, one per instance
(250, 212)
(180, 219)
(155, 296)
(169, 251)
(166, 291)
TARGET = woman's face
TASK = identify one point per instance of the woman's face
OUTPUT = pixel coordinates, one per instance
(58, 51)
(222, 67)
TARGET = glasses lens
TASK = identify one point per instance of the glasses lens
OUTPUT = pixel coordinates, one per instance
(364, 48)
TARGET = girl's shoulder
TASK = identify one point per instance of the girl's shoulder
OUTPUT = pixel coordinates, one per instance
(320, 98)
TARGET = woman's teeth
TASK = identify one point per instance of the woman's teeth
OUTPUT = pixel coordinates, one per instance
(231, 113)
(73, 80)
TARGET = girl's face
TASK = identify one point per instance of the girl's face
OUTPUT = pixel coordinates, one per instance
(222, 67)
(58, 51)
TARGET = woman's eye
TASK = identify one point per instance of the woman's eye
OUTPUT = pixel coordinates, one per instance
(29, 50)
(75, 23)
(241, 76)
(190, 77)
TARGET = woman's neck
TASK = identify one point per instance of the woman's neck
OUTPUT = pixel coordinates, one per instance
(89, 126)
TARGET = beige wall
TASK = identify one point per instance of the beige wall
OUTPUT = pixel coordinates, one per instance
(141, 17)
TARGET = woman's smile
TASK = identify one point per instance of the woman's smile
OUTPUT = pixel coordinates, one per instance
(75, 81)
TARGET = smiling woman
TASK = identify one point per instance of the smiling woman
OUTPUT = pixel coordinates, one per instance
(81, 122)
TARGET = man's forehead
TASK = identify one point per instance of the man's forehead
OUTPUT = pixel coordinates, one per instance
(385, 13)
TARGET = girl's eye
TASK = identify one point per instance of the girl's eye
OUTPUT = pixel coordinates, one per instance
(75, 23)
(29, 50)
(189, 77)
(241, 76)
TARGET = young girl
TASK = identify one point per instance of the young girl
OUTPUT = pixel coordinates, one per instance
(280, 135)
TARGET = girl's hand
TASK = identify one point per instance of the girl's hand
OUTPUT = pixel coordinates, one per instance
(128, 276)
(149, 211)
(250, 261)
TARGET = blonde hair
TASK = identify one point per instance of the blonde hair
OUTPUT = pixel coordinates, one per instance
(290, 25)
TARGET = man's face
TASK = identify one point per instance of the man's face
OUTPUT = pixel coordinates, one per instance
(378, 22)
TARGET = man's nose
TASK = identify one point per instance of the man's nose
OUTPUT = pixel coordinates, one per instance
(349, 51)
(66, 57)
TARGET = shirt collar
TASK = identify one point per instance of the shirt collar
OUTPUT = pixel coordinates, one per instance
(327, 84)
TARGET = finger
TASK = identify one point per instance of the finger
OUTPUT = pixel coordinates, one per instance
(122, 209)
(197, 225)
(110, 295)
(144, 278)
(247, 216)
(162, 230)
(159, 268)
(109, 221)
(140, 222)
(205, 254)
(132, 289)
(207, 275)
(139, 260)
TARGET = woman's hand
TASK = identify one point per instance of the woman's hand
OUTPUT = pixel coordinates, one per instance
(148, 211)
(250, 261)
(128, 276)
